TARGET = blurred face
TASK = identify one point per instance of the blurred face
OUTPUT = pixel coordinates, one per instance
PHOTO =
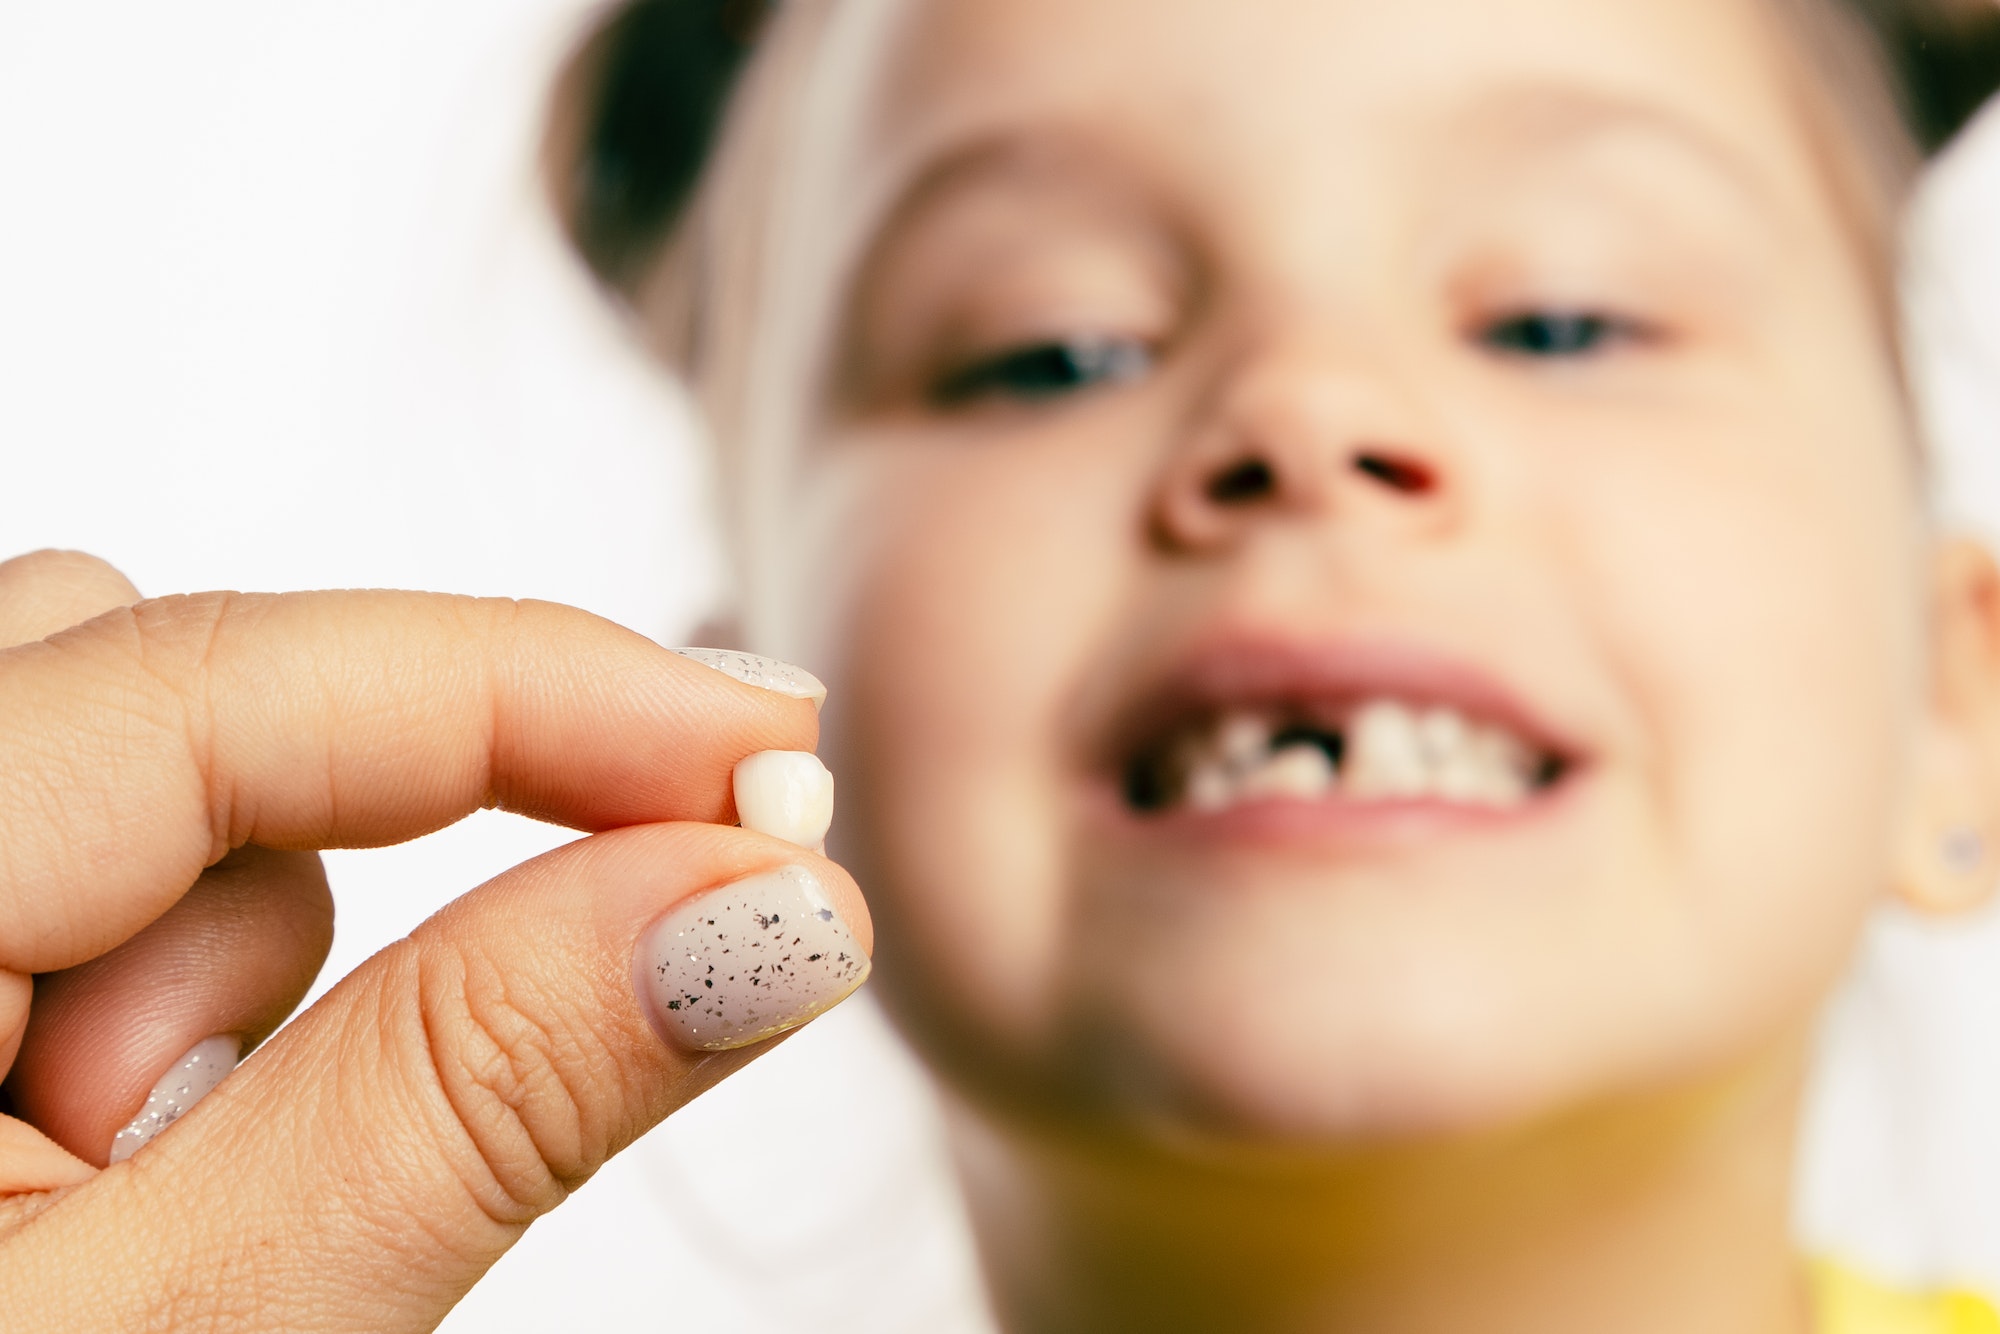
(1376, 569)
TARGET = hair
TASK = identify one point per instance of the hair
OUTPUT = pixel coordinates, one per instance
(690, 139)
(640, 99)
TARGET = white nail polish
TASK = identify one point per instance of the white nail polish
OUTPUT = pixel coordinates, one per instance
(748, 961)
(193, 1078)
(787, 794)
(764, 673)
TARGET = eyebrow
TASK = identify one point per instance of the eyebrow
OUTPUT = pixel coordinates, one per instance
(1546, 113)
(1061, 153)
(1064, 154)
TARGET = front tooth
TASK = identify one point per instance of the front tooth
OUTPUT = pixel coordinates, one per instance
(1385, 754)
(1444, 734)
(1302, 773)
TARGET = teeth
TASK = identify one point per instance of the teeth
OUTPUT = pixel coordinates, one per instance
(1506, 767)
(1385, 754)
(1390, 751)
(1300, 772)
(1442, 734)
(1459, 778)
(1210, 787)
(1243, 742)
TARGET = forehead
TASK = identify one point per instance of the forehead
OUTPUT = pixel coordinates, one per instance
(1280, 90)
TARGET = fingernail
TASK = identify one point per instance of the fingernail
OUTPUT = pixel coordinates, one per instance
(787, 794)
(748, 961)
(764, 673)
(193, 1078)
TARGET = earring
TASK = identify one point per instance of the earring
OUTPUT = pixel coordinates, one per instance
(1964, 850)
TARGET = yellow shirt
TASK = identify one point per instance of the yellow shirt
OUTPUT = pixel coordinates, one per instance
(1850, 1304)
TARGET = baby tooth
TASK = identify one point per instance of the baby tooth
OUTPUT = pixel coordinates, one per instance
(1510, 790)
(1444, 734)
(1210, 788)
(1463, 778)
(787, 794)
(1299, 772)
(1242, 741)
(1385, 756)
(1507, 752)
(1504, 766)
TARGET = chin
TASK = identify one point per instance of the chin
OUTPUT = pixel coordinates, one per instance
(1288, 1092)
(1391, 1033)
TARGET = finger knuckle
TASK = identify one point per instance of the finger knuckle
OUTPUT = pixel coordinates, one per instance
(513, 1077)
(63, 569)
(47, 591)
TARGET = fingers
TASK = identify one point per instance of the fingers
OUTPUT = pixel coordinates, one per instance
(31, 1163)
(41, 593)
(138, 748)
(366, 1166)
(231, 958)
(46, 591)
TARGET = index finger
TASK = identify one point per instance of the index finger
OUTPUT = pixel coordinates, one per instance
(142, 746)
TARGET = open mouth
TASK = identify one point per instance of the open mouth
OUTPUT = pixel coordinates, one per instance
(1373, 749)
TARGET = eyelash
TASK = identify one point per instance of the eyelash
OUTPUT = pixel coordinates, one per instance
(1055, 368)
(1550, 335)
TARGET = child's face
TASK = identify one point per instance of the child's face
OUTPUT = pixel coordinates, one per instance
(1230, 371)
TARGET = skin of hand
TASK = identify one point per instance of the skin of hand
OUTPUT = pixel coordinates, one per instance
(170, 768)
(1140, 299)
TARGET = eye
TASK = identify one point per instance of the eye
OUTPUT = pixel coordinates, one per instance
(1556, 334)
(1046, 370)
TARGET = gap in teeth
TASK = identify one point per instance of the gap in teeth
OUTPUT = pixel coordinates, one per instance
(1383, 750)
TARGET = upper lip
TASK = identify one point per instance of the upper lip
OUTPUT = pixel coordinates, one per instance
(1321, 678)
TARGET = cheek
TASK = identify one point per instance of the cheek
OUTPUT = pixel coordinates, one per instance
(1761, 617)
(990, 576)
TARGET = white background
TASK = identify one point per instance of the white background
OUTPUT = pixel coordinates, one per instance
(279, 308)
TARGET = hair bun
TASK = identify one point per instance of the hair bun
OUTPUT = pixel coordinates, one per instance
(1945, 56)
(635, 112)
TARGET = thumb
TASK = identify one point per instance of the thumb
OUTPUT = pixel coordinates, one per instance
(370, 1162)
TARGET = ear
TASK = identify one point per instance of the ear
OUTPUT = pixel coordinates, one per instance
(1949, 859)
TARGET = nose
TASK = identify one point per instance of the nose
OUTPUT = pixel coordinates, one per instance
(1300, 431)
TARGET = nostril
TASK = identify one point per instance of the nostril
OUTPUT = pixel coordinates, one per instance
(1242, 482)
(1405, 475)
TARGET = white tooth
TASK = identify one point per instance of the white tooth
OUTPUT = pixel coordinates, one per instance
(1458, 771)
(787, 794)
(1302, 772)
(1511, 790)
(1384, 757)
(1461, 777)
(1243, 741)
(1444, 734)
(1210, 787)
(1504, 766)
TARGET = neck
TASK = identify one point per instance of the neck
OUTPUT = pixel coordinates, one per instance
(1667, 1216)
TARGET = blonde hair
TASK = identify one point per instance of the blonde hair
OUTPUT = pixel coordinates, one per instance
(746, 287)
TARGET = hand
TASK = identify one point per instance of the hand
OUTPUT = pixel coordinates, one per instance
(167, 770)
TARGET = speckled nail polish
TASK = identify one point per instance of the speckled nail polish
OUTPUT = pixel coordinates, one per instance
(193, 1078)
(764, 673)
(749, 960)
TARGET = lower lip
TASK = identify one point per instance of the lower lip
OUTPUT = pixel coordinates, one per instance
(1332, 824)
